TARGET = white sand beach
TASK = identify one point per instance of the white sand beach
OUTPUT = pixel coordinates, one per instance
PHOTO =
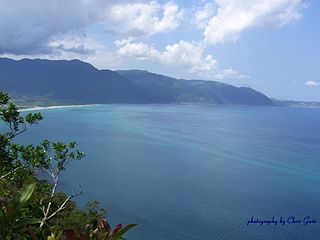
(36, 108)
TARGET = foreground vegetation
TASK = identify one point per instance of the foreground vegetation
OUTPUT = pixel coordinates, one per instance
(32, 208)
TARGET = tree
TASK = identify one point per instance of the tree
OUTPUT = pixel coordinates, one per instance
(41, 204)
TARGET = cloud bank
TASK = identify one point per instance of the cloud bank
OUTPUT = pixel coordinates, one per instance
(86, 29)
(27, 27)
(225, 20)
(185, 55)
(137, 19)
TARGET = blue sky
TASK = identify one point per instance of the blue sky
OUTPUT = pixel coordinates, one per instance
(270, 45)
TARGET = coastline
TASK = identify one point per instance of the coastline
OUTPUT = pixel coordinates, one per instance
(37, 108)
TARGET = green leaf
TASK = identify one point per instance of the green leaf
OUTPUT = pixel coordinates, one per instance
(25, 195)
(119, 234)
(4, 98)
(31, 221)
(3, 217)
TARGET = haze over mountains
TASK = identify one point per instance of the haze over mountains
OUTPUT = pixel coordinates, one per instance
(79, 82)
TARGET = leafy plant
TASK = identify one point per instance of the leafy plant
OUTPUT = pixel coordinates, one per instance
(12, 220)
(102, 232)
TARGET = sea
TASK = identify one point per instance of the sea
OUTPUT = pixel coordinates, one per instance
(192, 171)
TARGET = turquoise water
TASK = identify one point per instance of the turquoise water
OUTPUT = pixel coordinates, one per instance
(194, 171)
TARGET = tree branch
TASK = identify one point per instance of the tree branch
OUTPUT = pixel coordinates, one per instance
(63, 205)
(11, 172)
(61, 208)
(13, 133)
(56, 180)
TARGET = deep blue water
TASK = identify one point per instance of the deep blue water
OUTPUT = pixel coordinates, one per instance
(194, 171)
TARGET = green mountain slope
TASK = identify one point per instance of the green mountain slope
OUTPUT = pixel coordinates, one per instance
(169, 89)
(79, 82)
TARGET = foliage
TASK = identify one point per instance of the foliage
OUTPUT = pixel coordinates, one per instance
(12, 221)
(102, 231)
(31, 207)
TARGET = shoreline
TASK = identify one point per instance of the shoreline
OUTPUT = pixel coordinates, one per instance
(37, 108)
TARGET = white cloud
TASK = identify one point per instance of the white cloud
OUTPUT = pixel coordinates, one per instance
(136, 19)
(232, 17)
(84, 48)
(139, 50)
(312, 83)
(203, 14)
(74, 45)
(185, 55)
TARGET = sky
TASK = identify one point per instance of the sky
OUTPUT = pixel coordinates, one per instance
(272, 46)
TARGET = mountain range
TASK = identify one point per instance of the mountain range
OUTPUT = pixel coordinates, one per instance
(78, 82)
